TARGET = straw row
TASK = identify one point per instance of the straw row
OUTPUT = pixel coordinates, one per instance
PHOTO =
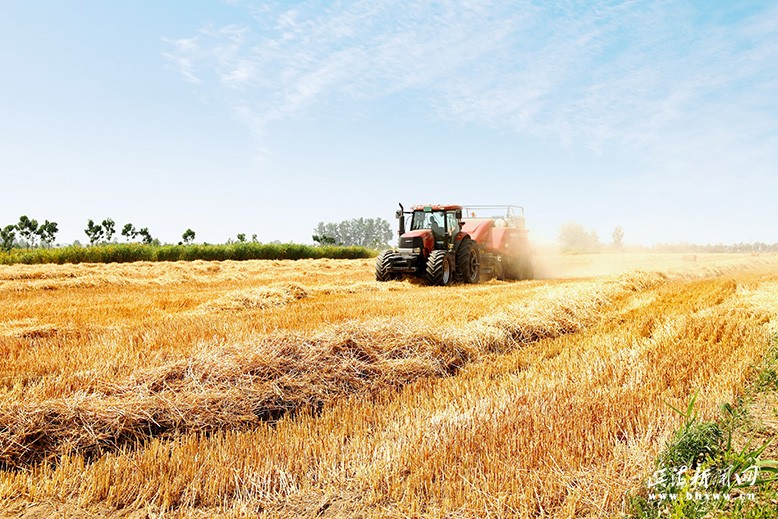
(232, 387)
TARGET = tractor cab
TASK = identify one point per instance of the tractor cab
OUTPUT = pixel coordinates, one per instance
(439, 222)
(432, 227)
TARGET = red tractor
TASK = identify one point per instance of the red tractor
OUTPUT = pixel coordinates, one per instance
(448, 243)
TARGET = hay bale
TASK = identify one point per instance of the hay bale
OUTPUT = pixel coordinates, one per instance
(279, 294)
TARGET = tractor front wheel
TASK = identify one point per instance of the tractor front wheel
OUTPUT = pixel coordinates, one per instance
(383, 267)
(439, 271)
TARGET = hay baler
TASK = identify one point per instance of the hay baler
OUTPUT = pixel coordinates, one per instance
(447, 243)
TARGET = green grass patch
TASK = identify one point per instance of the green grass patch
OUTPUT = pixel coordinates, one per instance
(701, 473)
(129, 252)
(767, 378)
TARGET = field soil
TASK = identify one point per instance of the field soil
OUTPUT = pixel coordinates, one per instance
(307, 389)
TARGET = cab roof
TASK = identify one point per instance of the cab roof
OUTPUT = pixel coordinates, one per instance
(436, 207)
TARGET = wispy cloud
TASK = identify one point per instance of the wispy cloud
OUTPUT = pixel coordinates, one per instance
(182, 55)
(657, 76)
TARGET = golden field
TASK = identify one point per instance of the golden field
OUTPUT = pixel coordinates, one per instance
(305, 388)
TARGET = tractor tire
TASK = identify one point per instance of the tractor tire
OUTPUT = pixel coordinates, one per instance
(468, 262)
(383, 267)
(439, 269)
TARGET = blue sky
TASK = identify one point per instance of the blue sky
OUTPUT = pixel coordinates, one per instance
(268, 117)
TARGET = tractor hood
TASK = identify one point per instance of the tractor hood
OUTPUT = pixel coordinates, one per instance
(420, 239)
(417, 233)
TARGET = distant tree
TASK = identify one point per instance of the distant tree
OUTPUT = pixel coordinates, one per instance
(188, 236)
(326, 234)
(129, 231)
(93, 231)
(347, 232)
(8, 236)
(254, 238)
(146, 236)
(365, 232)
(47, 231)
(618, 238)
(574, 238)
(109, 229)
(324, 239)
(241, 237)
(28, 229)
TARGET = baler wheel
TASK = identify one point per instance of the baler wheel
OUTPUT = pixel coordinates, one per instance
(468, 262)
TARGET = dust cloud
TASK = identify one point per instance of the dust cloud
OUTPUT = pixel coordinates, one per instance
(549, 263)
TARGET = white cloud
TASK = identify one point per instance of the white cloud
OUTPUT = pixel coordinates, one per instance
(650, 76)
(181, 57)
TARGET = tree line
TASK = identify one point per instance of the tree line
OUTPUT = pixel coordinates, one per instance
(28, 233)
(374, 233)
(754, 247)
(575, 238)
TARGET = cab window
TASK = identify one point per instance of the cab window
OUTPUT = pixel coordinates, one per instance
(427, 220)
(453, 224)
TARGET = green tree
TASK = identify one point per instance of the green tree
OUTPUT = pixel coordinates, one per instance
(323, 239)
(109, 229)
(146, 236)
(326, 233)
(47, 231)
(8, 236)
(129, 231)
(188, 236)
(93, 231)
(28, 229)
(241, 237)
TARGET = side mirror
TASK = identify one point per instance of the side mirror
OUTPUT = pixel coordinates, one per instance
(398, 214)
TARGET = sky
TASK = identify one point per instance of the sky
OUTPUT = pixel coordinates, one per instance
(230, 116)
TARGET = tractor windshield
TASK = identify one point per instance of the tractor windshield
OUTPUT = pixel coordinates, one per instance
(434, 220)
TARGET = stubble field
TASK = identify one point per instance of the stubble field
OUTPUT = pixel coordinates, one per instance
(305, 388)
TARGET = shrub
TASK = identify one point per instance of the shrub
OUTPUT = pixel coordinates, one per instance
(128, 252)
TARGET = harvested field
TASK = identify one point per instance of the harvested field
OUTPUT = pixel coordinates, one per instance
(304, 388)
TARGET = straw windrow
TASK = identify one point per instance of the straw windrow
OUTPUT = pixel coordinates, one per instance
(232, 387)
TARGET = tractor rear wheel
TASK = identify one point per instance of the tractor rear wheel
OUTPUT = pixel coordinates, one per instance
(439, 271)
(468, 262)
(383, 267)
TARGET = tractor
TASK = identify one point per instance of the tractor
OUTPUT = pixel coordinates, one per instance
(448, 243)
